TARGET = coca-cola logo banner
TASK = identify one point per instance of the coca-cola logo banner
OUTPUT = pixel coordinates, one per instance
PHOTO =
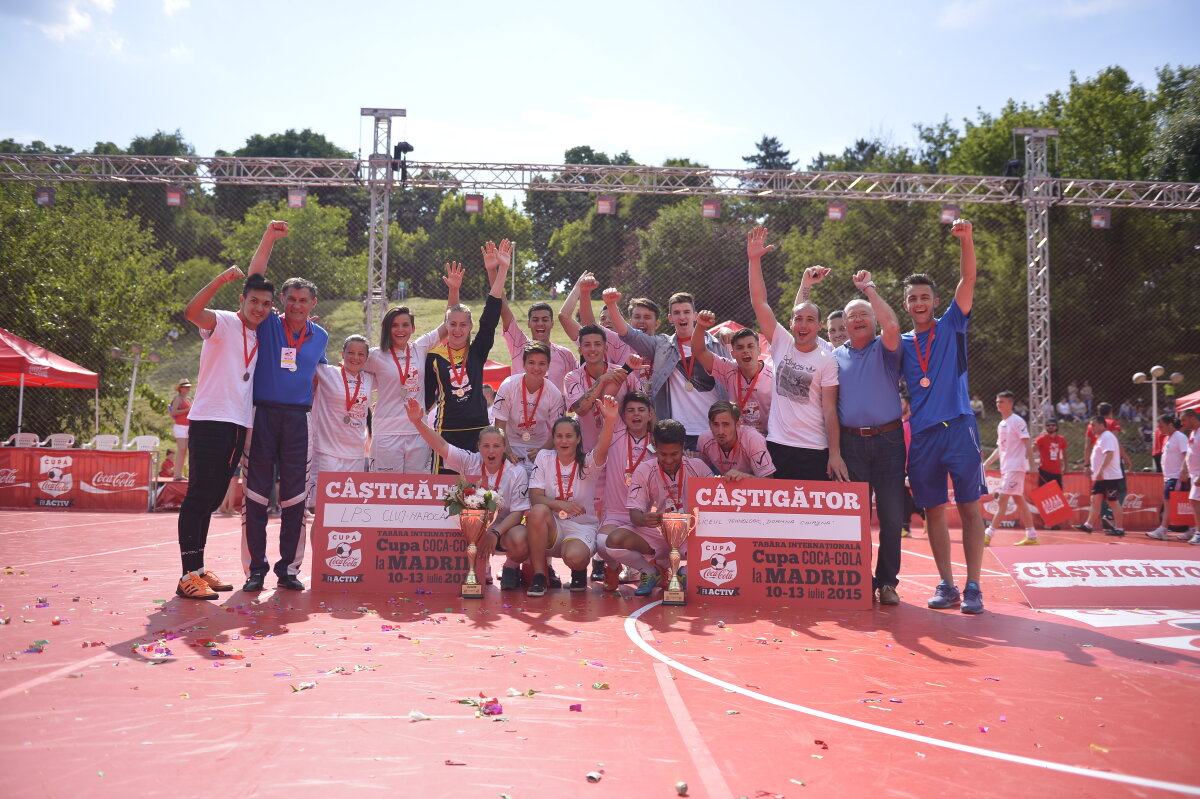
(75, 479)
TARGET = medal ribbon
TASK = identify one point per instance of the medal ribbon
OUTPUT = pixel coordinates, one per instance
(642, 457)
(404, 373)
(677, 501)
(923, 361)
(294, 343)
(528, 416)
(457, 374)
(351, 401)
(742, 400)
(726, 466)
(565, 496)
(689, 364)
(254, 351)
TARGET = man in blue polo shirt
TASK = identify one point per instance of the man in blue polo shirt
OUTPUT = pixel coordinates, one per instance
(945, 439)
(290, 348)
(872, 428)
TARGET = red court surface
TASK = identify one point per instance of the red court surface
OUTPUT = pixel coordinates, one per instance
(130, 694)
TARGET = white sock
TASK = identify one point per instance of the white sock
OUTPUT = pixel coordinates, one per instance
(1031, 533)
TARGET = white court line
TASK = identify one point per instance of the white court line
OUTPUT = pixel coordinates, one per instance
(992, 572)
(112, 551)
(64, 527)
(1143, 782)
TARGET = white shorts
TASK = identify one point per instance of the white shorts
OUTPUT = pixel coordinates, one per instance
(403, 454)
(322, 462)
(1194, 494)
(1012, 484)
(181, 431)
(568, 529)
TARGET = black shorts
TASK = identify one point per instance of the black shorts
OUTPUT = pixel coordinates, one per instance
(1048, 477)
(1109, 489)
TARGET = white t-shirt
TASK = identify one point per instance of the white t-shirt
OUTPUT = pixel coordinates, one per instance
(1174, 451)
(689, 408)
(511, 481)
(514, 402)
(548, 472)
(1106, 443)
(331, 433)
(1011, 435)
(390, 417)
(222, 395)
(797, 403)
(1193, 457)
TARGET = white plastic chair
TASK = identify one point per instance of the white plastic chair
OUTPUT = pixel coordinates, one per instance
(59, 441)
(104, 441)
(21, 440)
(143, 443)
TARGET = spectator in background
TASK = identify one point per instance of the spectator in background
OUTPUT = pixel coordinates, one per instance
(489, 396)
(977, 406)
(1086, 394)
(168, 465)
(1078, 408)
(1072, 390)
(1104, 410)
(1015, 452)
(1104, 466)
(1064, 409)
(1022, 409)
(1127, 412)
(835, 328)
(1052, 456)
(178, 411)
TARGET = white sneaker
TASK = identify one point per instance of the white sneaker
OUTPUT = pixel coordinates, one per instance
(987, 537)
(1195, 540)
(630, 575)
(1185, 536)
(1159, 534)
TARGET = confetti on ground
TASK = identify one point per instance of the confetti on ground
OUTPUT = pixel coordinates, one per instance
(1099, 748)
(600, 686)
(576, 708)
(304, 686)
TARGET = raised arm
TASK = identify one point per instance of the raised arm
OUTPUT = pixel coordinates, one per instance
(275, 230)
(417, 417)
(811, 277)
(504, 255)
(197, 311)
(889, 325)
(491, 262)
(586, 287)
(453, 280)
(566, 314)
(704, 321)
(608, 409)
(611, 298)
(756, 248)
(964, 295)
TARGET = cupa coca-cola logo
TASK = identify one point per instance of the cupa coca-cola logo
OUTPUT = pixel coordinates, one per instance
(117, 480)
(8, 476)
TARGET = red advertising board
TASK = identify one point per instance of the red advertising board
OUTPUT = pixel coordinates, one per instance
(74, 479)
(774, 543)
(377, 531)
(1142, 505)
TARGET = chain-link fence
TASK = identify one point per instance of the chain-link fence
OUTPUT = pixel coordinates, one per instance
(112, 265)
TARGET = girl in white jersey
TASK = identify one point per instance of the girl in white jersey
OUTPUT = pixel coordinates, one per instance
(495, 468)
(339, 414)
(562, 517)
(398, 366)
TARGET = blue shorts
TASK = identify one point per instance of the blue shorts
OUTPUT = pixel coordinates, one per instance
(946, 450)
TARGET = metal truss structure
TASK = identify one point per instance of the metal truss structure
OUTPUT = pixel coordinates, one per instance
(1037, 191)
(1037, 200)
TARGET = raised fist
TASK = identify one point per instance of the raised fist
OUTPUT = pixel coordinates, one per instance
(588, 283)
(611, 296)
(232, 273)
(861, 279)
(815, 274)
(706, 319)
(276, 229)
(961, 228)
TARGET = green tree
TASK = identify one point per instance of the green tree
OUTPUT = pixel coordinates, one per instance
(1105, 127)
(315, 247)
(770, 155)
(1175, 149)
(79, 277)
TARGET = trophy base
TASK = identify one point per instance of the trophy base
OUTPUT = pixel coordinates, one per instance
(674, 597)
(471, 591)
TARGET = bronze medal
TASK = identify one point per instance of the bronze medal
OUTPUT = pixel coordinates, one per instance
(346, 419)
(562, 514)
(925, 381)
(245, 377)
(688, 386)
(525, 436)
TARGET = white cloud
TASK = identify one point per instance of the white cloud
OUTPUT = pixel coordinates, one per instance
(179, 52)
(58, 20)
(961, 14)
(1081, 9)
(172, 7)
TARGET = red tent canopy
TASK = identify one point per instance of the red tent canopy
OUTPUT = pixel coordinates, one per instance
(1188, 401)
(39, 366)
(494, 372)
(733, 327)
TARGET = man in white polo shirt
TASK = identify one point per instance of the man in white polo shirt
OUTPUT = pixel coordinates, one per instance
(221, 413)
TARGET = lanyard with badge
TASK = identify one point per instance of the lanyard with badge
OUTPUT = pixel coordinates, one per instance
(291, 353)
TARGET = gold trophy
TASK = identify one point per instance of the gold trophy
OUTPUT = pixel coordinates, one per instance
(676, 527)
(472, 522)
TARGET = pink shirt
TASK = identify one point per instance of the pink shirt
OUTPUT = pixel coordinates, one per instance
(514, 403)
(619, 473)
(577, 383)
(749, 456)
(652, 488)
(755, 405)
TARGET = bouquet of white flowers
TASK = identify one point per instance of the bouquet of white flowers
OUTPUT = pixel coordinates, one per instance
(468, 495)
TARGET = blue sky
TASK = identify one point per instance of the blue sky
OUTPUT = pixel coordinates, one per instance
(523, 81)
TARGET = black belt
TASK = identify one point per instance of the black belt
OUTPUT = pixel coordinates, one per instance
(867, 432)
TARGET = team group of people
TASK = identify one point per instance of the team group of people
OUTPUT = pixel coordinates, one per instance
(590, 448)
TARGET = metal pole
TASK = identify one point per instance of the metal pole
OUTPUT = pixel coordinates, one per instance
(1153, 402)
(137, 360)
(21, 403)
